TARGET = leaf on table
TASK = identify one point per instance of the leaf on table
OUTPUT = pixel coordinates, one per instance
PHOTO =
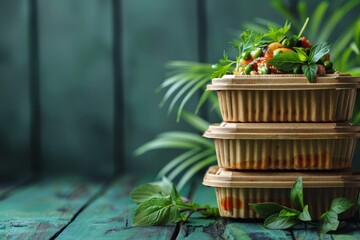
(277, 222)
(340, 205)
(266, 209)
(328, 222)
(150, 190)
(156, 211)
(305, 215)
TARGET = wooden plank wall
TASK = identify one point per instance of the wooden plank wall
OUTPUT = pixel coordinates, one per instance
(78, 78)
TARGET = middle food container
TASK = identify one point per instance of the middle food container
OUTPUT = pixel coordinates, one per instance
(284, 146)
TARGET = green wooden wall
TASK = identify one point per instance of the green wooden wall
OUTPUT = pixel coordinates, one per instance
(83, 124)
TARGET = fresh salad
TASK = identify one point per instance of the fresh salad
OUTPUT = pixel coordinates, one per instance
(276, 52)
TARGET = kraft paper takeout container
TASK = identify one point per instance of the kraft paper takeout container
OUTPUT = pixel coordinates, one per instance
(290, 146)
(285, 98)
(236, 189)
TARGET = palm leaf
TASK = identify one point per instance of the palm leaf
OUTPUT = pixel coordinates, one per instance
(317, 17)
(195, 169)
(302, 10)
(286, 12)
(187, 137)
(195, 121)
(176, 161)
(335, 18)
(162, 143)
(188, 162)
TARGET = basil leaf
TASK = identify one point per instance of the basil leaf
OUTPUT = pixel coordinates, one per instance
(286, 61)
(277, 222)
(288, 213)
(156, 211)
(296, 195)
(266, 209)
(328, 222)
(310, 71)
(318, 51)
(301, 53)
(175, 196)
(305, 215)
(340, 205)
(150, 190)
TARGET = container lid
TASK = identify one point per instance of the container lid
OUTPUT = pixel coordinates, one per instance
(219, 177)
(227, 130)
(284, 82)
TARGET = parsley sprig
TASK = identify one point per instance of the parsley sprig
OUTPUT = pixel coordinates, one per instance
(283, 217)
(159, 203)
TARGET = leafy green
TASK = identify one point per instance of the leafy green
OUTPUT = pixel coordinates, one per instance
(310, 71)
(275, 33)
(318, 51)
(286, 61)
(282, 217)
(161, 206)
(280, 222)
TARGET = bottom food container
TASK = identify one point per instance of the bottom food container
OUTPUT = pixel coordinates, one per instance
(236, 189)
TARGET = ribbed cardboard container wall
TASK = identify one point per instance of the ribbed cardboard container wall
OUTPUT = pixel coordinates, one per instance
(284, 146)
(285, 98)
(235, 190)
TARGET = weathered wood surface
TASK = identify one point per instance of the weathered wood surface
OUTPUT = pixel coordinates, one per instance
(40, 210)
(110, 217)
(73, 208)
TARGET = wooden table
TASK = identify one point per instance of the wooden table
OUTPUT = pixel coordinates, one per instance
(78, 208)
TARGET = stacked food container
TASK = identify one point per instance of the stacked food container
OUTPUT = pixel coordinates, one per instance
(277, 128)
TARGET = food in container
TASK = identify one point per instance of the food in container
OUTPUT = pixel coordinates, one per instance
(236, 189)
(290, 146)
(285, 98)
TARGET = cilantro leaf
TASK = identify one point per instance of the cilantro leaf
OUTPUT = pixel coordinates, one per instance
(318, 51)
(156, 211)
(286, 61)
(310, 71)
(279, 222)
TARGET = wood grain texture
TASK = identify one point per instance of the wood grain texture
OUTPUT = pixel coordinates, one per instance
(40, 210)
(110, 217)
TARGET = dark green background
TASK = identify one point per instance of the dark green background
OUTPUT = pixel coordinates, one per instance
(76, 76)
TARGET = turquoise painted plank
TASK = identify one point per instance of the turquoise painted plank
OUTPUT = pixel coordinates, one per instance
(110, 217)
(40, 210)
(199, 228)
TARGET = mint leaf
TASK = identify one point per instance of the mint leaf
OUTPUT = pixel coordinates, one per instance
(288, 213)
(318, 51)
(340, 205)
(328, 222)
(277, 222)
(305, 215)
(266, 209)
(296, 195)
(150, 190)
(310, 71)
(156, 211)
(286, 61)
(301, 53)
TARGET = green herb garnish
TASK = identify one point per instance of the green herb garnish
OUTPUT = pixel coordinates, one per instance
(160, 203)
(283, 217)
(288, 61)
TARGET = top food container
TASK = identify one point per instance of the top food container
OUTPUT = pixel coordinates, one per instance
(286, 98)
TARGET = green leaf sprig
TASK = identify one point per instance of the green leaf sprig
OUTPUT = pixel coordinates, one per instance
(159, 203)
(283, 217)
(288, 61)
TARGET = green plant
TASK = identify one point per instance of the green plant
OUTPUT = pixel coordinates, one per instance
(283, 217)
(187, 78)
(160, 203)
